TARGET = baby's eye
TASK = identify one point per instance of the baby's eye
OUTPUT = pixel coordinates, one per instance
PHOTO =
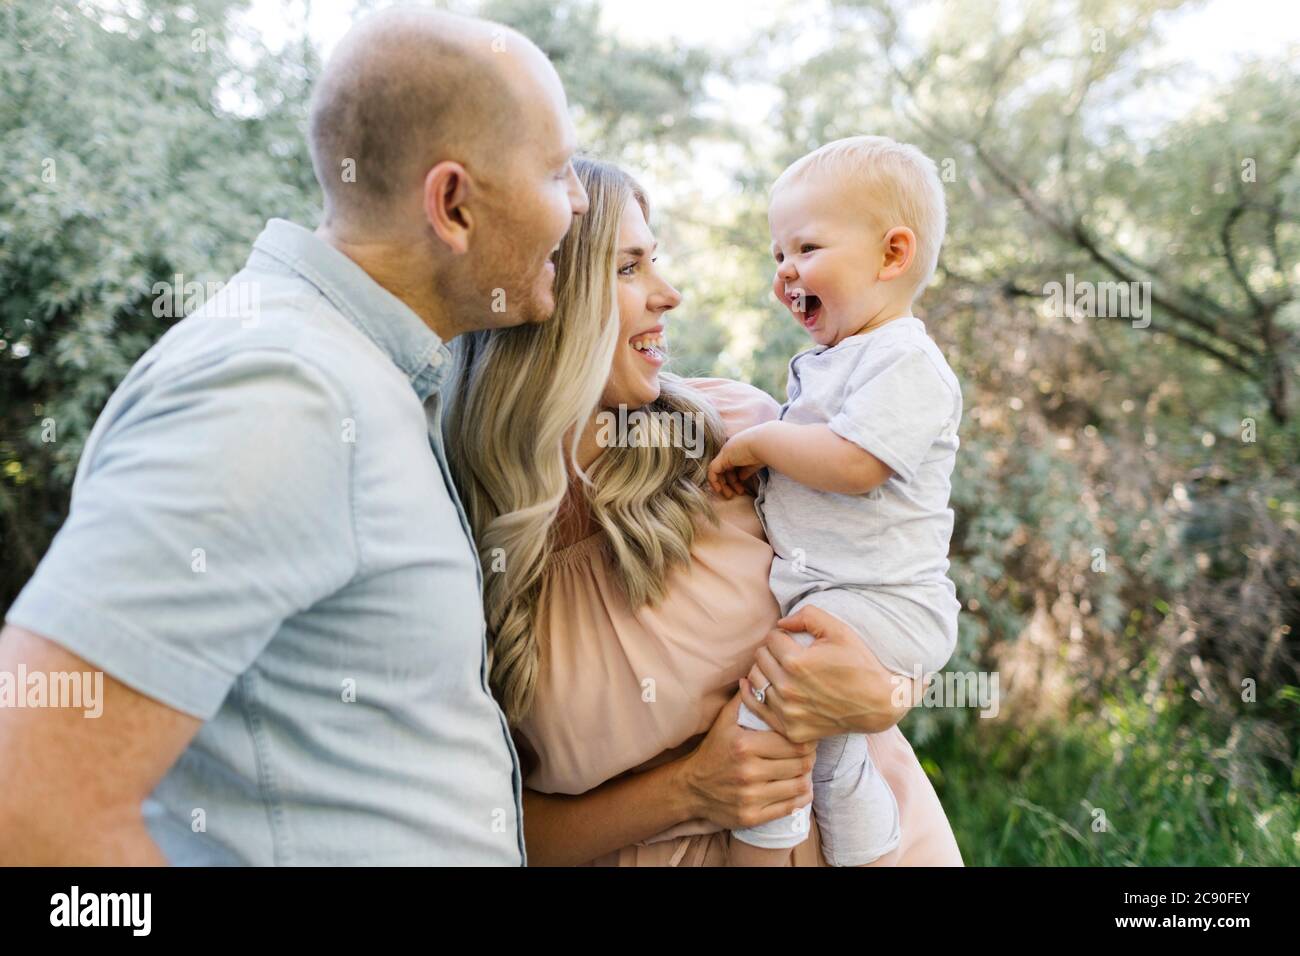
(807, 247)
(778, 257)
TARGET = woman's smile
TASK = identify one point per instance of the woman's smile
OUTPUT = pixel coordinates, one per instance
(651, 346)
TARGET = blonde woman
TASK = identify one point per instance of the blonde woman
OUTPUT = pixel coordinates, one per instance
(626, 602)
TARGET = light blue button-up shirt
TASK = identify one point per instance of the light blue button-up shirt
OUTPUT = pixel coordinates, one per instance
(264, 534)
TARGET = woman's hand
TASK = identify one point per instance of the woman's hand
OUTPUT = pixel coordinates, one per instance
(834, 686)
(740, 778)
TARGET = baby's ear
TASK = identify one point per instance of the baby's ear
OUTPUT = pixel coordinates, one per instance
(900, 250)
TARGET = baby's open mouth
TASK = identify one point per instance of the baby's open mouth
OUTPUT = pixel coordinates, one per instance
(806, 308)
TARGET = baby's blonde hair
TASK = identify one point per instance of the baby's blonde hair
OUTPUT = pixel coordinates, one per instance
(902, 184)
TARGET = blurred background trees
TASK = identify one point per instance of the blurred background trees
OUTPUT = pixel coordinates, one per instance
(133, 149)
(1128, 542)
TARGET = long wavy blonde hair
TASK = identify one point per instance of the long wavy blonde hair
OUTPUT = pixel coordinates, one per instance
(523, 398)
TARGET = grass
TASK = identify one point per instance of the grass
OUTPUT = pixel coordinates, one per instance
(1126, 784)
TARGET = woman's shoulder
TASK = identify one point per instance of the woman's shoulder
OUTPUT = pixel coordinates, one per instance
(738, 404)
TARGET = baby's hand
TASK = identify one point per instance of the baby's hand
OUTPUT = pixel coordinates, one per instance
(735, 464)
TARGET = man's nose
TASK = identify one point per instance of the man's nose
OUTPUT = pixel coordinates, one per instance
(577, 194)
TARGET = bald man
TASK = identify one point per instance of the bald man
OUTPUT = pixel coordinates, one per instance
(266, 569)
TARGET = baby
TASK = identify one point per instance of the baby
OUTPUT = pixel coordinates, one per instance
(855, 498)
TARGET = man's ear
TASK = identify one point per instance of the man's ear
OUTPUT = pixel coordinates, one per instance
(900, 250)
(447, 189)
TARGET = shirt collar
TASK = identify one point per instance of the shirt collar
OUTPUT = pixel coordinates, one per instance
(903, 321)
(382, 317)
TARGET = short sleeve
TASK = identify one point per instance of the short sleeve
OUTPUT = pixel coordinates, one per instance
(214, 505)
(739, 405)
(898, 404)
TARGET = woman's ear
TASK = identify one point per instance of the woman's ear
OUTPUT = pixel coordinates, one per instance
(447, 189)
(900, 250)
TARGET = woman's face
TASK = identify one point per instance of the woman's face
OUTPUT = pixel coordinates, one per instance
(643, 298)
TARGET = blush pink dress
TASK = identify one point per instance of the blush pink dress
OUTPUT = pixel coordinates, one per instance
(622, 690)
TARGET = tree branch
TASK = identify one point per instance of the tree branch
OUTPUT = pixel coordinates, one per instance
(1225, 239)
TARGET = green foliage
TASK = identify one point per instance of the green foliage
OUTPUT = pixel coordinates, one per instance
(1128, 783)
(119, 169)
(627, 99)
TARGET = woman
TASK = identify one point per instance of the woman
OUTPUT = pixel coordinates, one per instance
(625, 601)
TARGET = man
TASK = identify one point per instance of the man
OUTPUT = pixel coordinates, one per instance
(265, 553)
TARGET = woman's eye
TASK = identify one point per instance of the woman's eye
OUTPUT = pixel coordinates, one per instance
(628, 269)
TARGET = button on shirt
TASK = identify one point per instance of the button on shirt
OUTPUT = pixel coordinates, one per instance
(264, 534)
